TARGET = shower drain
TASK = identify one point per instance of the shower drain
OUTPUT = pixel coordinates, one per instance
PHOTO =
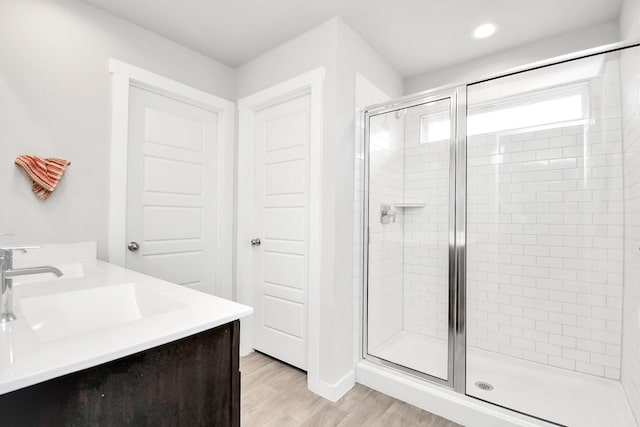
(484, 386)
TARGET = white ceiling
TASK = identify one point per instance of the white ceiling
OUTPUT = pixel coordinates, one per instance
(413, 35)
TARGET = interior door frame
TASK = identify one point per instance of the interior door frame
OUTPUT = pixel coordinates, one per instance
(310, 83)
(123, 77)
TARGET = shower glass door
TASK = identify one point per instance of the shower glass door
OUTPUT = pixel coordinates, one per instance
(410, 168)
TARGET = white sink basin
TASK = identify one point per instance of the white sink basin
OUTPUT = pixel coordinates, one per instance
(65, 314)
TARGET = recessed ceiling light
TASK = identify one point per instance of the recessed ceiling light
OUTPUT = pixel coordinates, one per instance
(484, 31)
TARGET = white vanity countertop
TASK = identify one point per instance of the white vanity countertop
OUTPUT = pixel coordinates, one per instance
(154, 312)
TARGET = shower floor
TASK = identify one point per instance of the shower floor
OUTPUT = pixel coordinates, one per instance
(558, 395)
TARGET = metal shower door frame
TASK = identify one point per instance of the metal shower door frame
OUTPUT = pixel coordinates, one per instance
(456, 357)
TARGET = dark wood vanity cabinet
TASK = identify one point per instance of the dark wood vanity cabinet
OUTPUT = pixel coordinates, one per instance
(194, 381)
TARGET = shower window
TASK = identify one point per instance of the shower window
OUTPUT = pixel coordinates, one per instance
(435, 127)
(542, 109)
(547, 109)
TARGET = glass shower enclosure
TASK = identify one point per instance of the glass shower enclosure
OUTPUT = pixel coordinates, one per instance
(501, 232)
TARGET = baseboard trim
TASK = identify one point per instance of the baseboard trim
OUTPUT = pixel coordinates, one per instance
(334, 392)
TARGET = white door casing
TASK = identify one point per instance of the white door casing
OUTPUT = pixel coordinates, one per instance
(125, 78)
(308, 85)
(171, 186)
(281, 153)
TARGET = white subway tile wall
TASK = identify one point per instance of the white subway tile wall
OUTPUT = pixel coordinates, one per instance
(545, 239)
(426, 229)
(630, 76)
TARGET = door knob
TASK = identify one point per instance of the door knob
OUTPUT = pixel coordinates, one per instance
(133, 246)
(255, 242)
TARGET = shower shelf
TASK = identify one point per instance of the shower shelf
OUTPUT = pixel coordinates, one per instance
(410, 205)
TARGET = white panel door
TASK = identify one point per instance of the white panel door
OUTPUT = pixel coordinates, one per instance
(171, 189)
(280, 220)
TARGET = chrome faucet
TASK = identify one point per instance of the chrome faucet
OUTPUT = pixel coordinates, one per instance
(7, 273)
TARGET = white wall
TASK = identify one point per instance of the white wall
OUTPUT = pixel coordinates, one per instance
(630, 75)
(55, 98)
(355, 57)
(630, 20)
(485, 66)
(342, 53)
(315, 48)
